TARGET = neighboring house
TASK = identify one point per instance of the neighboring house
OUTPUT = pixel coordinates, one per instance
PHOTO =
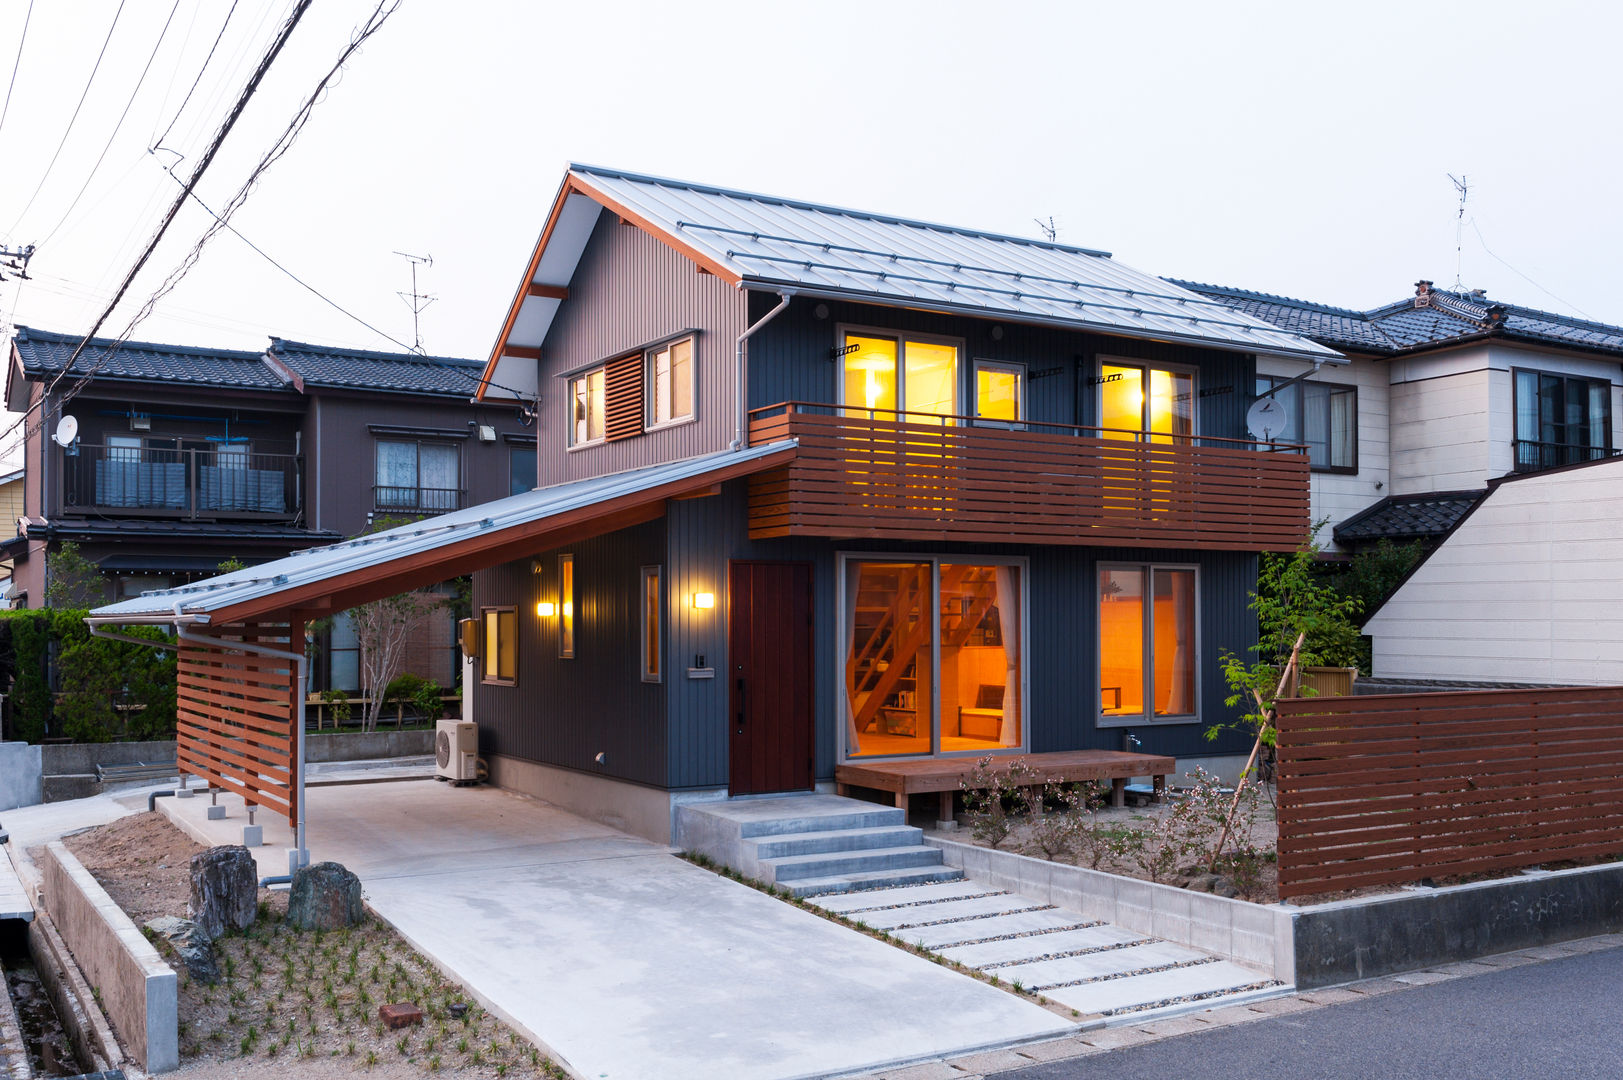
(1444, 392)
(185, 457)
(11, 505)
(828, 488)
(1527, 588)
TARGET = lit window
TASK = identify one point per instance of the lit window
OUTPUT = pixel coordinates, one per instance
(1147, 660)
(670, 380)
(588, 402)
(500, 646)
(888, 374)
(999, 391)
(566, 606)
(1146, 403)
(1322, 415)
(650, 624)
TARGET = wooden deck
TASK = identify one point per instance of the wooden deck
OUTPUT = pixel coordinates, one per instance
(945, 776)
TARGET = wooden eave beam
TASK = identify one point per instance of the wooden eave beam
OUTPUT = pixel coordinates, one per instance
(548, 292)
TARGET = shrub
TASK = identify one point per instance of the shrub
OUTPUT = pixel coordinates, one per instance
(93, 674)
(422, 695)
(993, 795)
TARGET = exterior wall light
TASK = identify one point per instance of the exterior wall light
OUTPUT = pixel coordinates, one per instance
(704, 600)
(546, 609)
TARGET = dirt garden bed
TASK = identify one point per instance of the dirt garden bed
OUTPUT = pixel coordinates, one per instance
(300, 1003)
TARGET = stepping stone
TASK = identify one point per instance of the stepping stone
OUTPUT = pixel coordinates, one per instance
(942, 910)
(992, 926)
(1094, 965)
(843, 903)
(1115, 995)
(1024, 948)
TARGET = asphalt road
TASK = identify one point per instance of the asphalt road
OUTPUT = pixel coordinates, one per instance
(1559, 1018)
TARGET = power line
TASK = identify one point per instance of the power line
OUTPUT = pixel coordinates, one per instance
(73, 119)
(17, 63)
(118, 126)
(1524, 277)
(200, 72)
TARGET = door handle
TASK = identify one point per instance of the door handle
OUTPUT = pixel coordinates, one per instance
(742, 708)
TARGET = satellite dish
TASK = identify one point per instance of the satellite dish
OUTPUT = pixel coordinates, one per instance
(1266, 419)
(67, 429)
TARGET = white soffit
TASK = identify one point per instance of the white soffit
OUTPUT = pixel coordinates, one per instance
(576, 220)
(512, 373)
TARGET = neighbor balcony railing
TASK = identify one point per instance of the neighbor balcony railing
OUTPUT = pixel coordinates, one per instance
(181, 483)
(1533, 455)
(416, 500)
(884, 473)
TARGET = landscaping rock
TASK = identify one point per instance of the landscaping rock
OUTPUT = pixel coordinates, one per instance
(400, 1015)
(225, 890)
(193, 946)
(324, 897)
(1225, 887)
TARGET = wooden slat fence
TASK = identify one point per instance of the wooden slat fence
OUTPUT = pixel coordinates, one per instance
(908, 477)
(1393, 788)
(237, 715)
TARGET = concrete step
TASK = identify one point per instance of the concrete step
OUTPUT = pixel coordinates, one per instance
(1137, 992)
(943, 911)
(877, 879)
(830, 864)
(873, 899)
(785, 845)
(844, 818)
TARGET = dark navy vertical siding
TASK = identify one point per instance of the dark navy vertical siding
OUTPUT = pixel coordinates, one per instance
(566, 711)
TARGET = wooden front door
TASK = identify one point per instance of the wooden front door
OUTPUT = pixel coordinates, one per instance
(769, 716)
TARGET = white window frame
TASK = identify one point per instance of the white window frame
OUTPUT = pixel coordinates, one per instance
(901, 337)
(651, 421)
(1147, 365)
(979, 364)
(841, 563)
(602, 371)
(655, 671)
(1147, 717)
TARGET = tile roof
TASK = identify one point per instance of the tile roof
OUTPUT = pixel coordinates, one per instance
(812, 249)
(44, 354)
(355, 369)
(1407, 517)
(1444, 318)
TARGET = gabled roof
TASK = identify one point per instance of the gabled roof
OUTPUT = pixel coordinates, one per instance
(43, 354)
(332, 368)
(1432, 318)
(764, 242)
(1408, 517)
(338, 576)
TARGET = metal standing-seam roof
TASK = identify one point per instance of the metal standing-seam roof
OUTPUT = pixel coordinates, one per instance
(320, 566)
(762, 242)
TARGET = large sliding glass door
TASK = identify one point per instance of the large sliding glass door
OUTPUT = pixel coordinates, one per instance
(933, 657)
(1147, 643)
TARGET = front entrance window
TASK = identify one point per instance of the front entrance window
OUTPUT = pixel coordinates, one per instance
(889, 374)
(1147, 642)
(933, 658)
(1135, 399)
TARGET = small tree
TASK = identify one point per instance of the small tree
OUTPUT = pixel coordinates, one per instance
(72, 580)
(382, 630)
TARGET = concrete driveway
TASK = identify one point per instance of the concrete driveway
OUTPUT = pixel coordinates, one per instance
(621, 959)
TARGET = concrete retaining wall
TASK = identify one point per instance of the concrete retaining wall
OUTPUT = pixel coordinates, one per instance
(1252, 934)
(20, 773)
(60, 759)
(360, 746)
(139, 991)
(70, 995)
(1380, 935)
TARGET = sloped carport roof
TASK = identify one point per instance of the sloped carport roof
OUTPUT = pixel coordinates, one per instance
(323, 580)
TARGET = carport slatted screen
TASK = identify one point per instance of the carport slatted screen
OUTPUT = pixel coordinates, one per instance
(236, 714)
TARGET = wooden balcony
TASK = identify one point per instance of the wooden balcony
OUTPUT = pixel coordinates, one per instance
(872, 473)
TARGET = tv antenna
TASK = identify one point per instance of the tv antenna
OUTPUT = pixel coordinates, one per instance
(16, 260)
(1459, 231)
(418, 302)
(1050, 230)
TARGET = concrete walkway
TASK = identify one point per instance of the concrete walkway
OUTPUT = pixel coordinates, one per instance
(622, 960)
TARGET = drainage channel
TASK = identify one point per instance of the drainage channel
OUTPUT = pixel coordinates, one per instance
(50, 1052)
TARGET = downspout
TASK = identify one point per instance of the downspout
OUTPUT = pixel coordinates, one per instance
(299, 855)
(740, 389)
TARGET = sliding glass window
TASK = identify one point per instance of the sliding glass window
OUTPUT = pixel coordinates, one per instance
(889, 374)
(932, 657)
(1148, 643)
(1148, 404)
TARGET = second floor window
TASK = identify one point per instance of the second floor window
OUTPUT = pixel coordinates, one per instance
(1322, 415)
(886, 374)
(588, 403)
(670, 382)
(520, 470)
(417, 476)
(1137, 398)
(1561, 419)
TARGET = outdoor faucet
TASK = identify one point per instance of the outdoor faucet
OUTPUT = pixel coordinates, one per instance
(1129, 742)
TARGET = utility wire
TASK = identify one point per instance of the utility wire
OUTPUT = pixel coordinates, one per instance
(116, 127)
(200, 73)
(1524, 277)
(17, 63)
(73, 119)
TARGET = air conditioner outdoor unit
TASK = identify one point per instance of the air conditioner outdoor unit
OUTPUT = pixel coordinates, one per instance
(456, 751)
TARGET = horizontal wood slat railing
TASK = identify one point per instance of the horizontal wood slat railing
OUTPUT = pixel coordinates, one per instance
(1394, 788)
(237, 717)
(915, 476)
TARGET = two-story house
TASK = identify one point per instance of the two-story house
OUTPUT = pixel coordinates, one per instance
(822, 487)
(1443, 392)
(178, 458)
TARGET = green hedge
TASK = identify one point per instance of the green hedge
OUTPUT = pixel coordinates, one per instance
(94, 677)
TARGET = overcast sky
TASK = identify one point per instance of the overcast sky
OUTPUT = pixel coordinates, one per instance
(1295, 148)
